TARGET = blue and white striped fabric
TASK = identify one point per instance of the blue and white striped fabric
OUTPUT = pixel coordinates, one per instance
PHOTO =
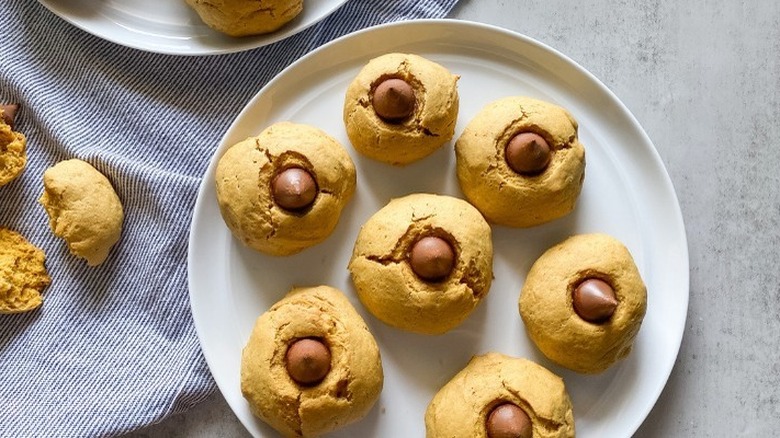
(113, 348)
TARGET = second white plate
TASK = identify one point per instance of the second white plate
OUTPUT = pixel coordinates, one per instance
(627, 193)
(170, 26)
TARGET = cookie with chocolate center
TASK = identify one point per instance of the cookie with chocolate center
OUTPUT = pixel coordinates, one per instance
(423, 262)
(401, 108)
(283, 191)
(520, 162)
(583, 302)
(311, 366)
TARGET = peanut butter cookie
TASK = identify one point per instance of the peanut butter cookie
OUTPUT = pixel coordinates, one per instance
(83, 209)
(22, 273)
(311, 366)
(501, 396)
(423, 262)
(519, 161)
(583, 302)
(401, 108)
(13, 154)
(242, 18)
(283, 191)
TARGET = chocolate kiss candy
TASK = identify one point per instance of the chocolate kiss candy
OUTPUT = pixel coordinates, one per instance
(594, 300)
(528, 153)
(294, 189)
(307, 361)
(393, 100)
(508, 421)
(432, 258)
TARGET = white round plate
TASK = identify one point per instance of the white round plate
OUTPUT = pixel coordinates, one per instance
(627, 193)
(170, 26)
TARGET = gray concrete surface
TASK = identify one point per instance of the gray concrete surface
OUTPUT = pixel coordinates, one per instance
(703, 78)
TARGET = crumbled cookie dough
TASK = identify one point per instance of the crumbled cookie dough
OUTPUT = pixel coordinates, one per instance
(83, 209)
(504, 195)
(462, 406)
(13, 153)
(22, 273)
(547, 308)
(239, 18)
(386, 282)
(431, 123)
(245, 178)
(343, 396)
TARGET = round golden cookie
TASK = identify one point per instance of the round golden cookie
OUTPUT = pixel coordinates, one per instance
(83, 209)
(22, 273)
(462, 407)
(431, 124)
(241, 18)
(13, 153)
(503, 195)
(547, 307)
(386, 282)
(348, 390)
(244, 179)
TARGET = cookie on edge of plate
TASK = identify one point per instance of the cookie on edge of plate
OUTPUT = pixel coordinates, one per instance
(311, 365)
(284, 190)
(583, 302)
(401, 108)
(501, 396)
(238, 18)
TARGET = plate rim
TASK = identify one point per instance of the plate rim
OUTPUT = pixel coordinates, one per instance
(665, 183)
(245, 43)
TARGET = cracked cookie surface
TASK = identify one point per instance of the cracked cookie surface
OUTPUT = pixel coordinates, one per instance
(546, 303)
(504, 196)
(461, 407)
(347, 392)
(13, 152)
(244, 176)
(431, 124)
(386, 283)
(22, 273)
(83, 209)
(241, 18)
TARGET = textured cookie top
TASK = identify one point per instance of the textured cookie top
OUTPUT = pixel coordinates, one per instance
(244, 183)
(22, 273)
(462, 406)
(504, 195)
(386, 281)
(83, 209)
(547, 308)
(346, 393)
(13, 155)
(433, 119)
(241, 18)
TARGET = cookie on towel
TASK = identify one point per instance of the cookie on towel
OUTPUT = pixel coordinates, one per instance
(83, 209)
(22, 273)
(13, 152)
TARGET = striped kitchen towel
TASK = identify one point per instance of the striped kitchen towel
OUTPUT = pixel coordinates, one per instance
(113, 348)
